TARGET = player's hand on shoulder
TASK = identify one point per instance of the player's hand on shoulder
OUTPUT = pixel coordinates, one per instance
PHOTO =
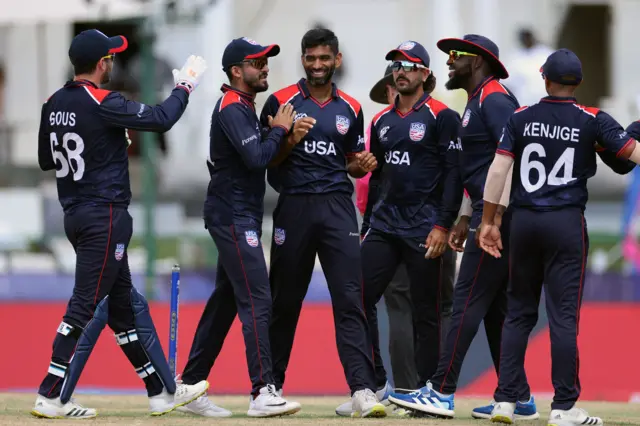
(284, 117)
(366, 161)
(190, 74)
(490, 239)
(458, 234)
(301, 128)
(436, 243)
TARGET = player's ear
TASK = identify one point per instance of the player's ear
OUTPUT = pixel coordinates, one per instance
(338, 59)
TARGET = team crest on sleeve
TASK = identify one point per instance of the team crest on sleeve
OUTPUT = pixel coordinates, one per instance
(416, 131)
(407, 45)
(252, 238)
(465, 119)
(342, 124)
(119, 251)
(383, 132)
(279, 235)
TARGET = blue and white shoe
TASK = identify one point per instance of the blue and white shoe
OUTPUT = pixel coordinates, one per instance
(425, 400)
(524, 411)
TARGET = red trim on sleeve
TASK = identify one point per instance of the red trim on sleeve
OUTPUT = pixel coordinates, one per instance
(505, 152)
(630, 141)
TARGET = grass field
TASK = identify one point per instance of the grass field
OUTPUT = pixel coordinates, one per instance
(131, 410)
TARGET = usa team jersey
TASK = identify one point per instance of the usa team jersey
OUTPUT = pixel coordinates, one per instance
(317, 165)
(487, 111)
(82, 136)
(553, 144)
(417, 184)
(238, 158)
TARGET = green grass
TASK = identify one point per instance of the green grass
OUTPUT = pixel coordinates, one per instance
(131, 410)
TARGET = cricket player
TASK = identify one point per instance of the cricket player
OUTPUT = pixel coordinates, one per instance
(238, 156)
(315, 215)
(397, 296)
(549, 147)
(480, 291)
(417, 191)
(83, 138)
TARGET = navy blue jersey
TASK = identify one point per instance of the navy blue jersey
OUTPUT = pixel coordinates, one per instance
(553, 143)
(318, 164)
(417, 184)
(487, 111)
(82, 136)
(238, 158)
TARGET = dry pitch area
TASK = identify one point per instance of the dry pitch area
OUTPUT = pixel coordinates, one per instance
(131, 410)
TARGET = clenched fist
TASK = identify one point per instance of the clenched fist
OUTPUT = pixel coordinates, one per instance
(366, 161)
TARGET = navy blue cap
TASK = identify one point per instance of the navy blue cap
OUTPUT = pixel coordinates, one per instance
(244, 48)
(563, 67)
(90, 46)
(479, 45)
(413, 51)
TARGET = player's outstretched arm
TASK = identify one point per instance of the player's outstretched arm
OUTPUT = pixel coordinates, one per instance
(618, 165)
(241, 130)
(118, 111)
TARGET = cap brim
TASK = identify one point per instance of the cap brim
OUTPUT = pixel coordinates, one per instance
(268, 51)
(404, 53)
(448, 44)
(118, 44)
(378, 93)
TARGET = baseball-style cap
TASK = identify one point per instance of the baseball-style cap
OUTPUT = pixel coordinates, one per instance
(563, 67)
(90, 46)
(479, 45)
(413, 51)
(244, 48)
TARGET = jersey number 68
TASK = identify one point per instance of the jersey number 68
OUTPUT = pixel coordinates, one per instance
(73, 161)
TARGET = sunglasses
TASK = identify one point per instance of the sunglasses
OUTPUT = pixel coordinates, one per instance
(406, 66)
(454, 55)
(257, 63)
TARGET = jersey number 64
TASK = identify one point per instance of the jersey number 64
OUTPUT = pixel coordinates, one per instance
(72, 145)
(564, 163)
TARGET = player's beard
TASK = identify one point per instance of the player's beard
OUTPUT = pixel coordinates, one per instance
(459, 78)
(320, 81)
(409, 89)
(258, 83)
(106, 77)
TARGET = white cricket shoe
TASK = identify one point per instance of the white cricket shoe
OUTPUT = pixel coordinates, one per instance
(365, 404)
(165, 402)
(573, 417)
(503, 412)
(53, 408)
(203, 406)
(269, 403)
(346, 409)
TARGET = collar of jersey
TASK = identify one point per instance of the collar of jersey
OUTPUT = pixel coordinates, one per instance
(480, 86)
(302, 87)
(244, 95)
(423, 100)
(81, 83)
(559, 99)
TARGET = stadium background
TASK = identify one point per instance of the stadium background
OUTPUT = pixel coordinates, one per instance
(169, 175)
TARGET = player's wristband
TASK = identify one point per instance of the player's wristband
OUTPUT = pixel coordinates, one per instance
(186, 86)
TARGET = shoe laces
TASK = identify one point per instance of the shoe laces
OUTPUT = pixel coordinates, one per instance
(369, 397)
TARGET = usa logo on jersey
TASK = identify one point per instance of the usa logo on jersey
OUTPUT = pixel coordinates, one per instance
(252, 238)
(465, 119)
(250, 41)
(119, 251)
(279, 236)
(342, 124)
(416, 131)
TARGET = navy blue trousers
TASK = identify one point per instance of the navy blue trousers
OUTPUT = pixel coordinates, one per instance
(549, 247)
(479, 294)
(100, 236)
(324, 225)
(381, 255)
(242, 287)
